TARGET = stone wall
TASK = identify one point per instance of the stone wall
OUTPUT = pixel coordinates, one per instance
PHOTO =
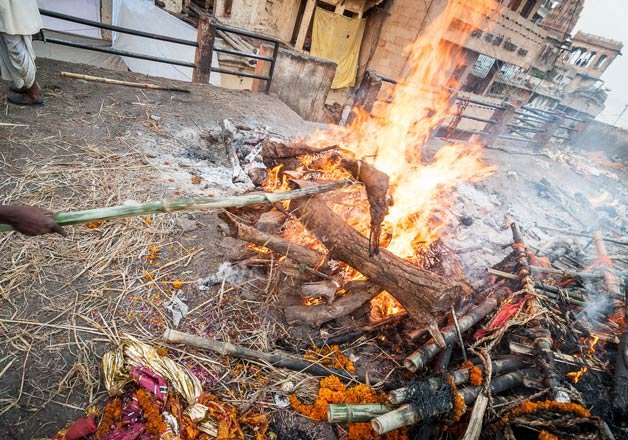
(300, 80)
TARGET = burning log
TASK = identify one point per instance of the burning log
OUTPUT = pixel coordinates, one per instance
(376, 184)
(321, 289)
(279, 246)
(421, 357)
(358, 293)
(432, 406)
(277, 358)
(420, 292)
(278, 150)
(356, 412)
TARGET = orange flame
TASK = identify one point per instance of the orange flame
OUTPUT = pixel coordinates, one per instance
(575, 376)
(392, 138)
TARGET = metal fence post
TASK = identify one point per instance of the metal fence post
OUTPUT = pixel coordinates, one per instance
(203, 56)
(502, 118)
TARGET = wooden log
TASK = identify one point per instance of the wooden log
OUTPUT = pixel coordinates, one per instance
(279, 246)
(358, 293)
(321, 289)
(421, 357)
(272, 150)
(276, 358)
(421, 293)
(376, 184)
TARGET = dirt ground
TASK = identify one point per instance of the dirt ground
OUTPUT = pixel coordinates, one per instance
(95, 145)
(66, 300)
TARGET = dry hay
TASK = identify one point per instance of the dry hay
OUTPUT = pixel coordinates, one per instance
(66, 300)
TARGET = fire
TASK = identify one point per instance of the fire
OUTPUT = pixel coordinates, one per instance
(392, 139)
(575, 376)
(591, 343)
(383, 306)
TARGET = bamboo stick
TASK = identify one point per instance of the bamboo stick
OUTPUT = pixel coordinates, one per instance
(582, 234)
(277, 358)
(354, 412)
(407, 414)
(460, 376)
(423, 355)
(118, 82)
(163, 206)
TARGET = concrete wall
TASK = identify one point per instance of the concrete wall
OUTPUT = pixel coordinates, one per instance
(276, 18)
(598, 136)
(300, 80)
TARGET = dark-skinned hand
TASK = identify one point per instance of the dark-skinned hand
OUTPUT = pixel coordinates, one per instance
(30, 220)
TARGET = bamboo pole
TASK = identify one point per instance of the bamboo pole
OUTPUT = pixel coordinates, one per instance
(276, 359)
(118, 82)
(407, 414)
(423, 355)
(354, 412)
(163, 206)
(460, 377)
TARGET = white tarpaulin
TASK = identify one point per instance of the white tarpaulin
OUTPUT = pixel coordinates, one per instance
(143, 15)
(87, 9)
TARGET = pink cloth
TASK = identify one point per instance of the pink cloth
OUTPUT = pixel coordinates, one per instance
(132, 432)
(81, 428)
(151, 381)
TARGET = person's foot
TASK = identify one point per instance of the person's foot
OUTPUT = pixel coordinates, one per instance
(30, 96)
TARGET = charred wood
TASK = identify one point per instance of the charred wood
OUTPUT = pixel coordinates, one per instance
(421, 357)
(358, 293)
(421, 293)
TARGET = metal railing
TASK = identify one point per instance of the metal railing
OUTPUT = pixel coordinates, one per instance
(271, 59)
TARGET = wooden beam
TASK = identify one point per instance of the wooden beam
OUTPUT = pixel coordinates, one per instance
(203, 56)
(305, 23)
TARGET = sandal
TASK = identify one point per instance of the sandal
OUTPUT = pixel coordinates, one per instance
(24, 99)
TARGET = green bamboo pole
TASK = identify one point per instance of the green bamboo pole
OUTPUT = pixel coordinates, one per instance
(90, 215)
(355, 412)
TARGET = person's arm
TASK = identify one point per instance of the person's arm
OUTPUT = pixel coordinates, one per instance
(29, 220)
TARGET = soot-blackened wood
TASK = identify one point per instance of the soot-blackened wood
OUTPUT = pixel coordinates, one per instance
(279, 150)
(376, 184)
(421, 293)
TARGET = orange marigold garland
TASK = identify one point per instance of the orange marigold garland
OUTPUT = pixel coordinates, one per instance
(332, 390)
(544, 435)
(110, 416)
(546, 405)
(330, 356)
(459, 406)
(155, 424)
(475, 376)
